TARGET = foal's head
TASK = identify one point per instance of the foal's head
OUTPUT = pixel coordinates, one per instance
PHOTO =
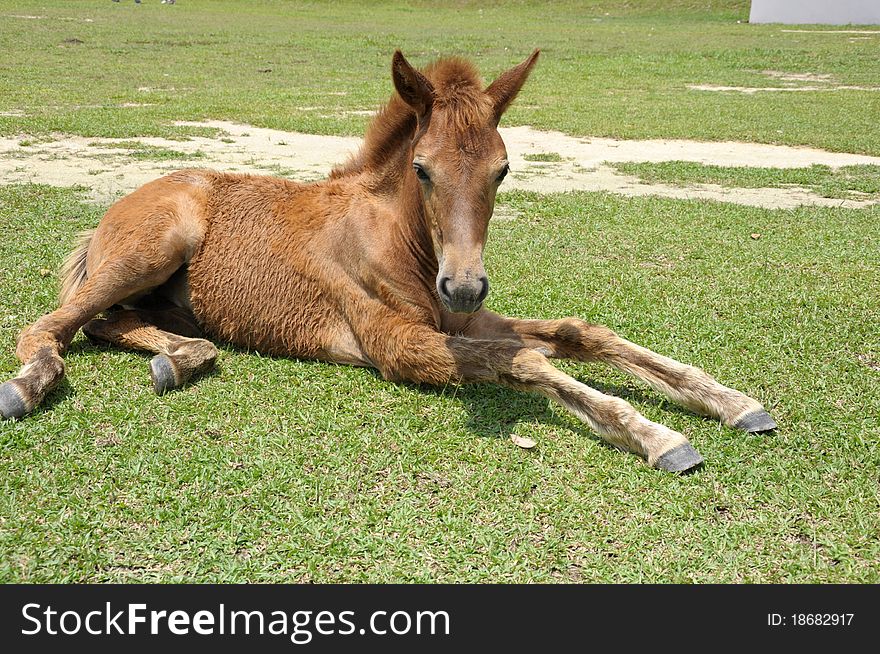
(459, 160)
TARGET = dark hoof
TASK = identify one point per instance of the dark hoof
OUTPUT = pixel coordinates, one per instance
(162, 374)
(679, 459)
(756, 421)
(11, 403)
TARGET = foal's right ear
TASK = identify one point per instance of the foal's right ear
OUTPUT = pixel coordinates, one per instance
(413, 87)
(504, 89)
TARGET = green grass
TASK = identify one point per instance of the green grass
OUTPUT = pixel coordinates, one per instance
(142, 151)
(860, 182)
(282, 470)
(608, 68)
(548, 157)
(274, 469)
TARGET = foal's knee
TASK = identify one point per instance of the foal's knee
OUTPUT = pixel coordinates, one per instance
(34, 340)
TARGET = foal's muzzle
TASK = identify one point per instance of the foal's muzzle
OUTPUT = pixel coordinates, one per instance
(462, 296)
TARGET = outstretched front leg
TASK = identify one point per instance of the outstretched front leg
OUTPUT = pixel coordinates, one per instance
(573, 338)
(420, 354)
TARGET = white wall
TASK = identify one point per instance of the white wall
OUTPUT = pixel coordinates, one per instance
(827, 12)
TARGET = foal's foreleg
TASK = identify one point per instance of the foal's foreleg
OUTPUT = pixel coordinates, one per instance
(177, 359)
(438, 359)
(689, 386)
(611, 417)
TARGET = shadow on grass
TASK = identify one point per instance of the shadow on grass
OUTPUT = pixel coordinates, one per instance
(493, 410)
(83, 347)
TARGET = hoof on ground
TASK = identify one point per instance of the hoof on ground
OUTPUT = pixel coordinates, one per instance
(756, 421)
(12, 405)
(162, 374)
(682, 458)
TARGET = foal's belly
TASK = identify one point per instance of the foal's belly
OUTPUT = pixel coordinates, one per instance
(242, 294)
(273, 313)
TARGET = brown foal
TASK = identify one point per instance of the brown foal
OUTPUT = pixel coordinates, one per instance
(379, 265)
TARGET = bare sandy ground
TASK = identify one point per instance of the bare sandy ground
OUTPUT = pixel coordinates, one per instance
(822, 82)
(751, 90)
(832, 31)
(107, 169)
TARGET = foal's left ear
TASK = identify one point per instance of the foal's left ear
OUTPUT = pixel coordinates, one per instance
(504, 89)
(413, 87)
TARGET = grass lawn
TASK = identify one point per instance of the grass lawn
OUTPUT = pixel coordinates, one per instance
(609, 68)
(281, 470)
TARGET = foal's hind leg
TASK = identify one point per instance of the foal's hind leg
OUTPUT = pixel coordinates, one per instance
(41, 345)
(177, 359)
(142, 240)
(575, 339)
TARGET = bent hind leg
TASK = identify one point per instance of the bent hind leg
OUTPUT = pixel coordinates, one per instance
(138, 245)
(41, 346)
(178, 358)
(40, 374)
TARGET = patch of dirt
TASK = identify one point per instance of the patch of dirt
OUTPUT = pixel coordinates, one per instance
(798, 77)
(166, 89)
(832, 31)
(793, 82)
(70, 160)
(749, 90)
(33, 17)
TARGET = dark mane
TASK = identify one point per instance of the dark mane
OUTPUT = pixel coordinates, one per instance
(458, 91)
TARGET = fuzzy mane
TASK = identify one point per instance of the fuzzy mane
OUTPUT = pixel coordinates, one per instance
(458, 90)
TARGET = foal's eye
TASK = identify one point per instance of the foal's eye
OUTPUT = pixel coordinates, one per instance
(421, 173)
(503, 173)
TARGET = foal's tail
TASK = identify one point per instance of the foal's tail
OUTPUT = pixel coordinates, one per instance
(73, 270)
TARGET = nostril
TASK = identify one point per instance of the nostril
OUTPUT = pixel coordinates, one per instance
(444, 290)
(484, 289)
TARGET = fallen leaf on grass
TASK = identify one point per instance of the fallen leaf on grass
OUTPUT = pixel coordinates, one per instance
(525, 443)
